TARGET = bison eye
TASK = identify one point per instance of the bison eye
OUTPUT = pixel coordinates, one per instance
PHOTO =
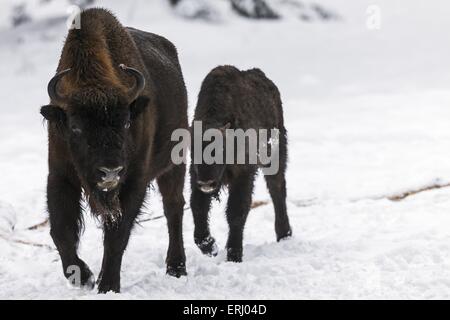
(76, 130)
(128, 125)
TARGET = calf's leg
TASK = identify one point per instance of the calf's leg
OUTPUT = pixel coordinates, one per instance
(63, 200)
(200, 206)
(277, 189)
(238, 206)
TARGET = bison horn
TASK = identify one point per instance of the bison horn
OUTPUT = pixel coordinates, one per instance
(140, 82)
(52, 85)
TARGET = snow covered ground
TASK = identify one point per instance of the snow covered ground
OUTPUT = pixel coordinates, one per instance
(368, 114)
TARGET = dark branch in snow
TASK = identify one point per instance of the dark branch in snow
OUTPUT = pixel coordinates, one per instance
(195, 10)
(404, 195)
(256, 204)
(28, 243)
(255, 9)
(39, 225)
(323, 13)
(438, 184)
(19, 15)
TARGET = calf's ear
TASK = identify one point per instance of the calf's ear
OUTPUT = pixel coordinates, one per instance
(138, 106)
(53, 113)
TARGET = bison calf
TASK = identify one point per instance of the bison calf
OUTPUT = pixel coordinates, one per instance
(233, 99)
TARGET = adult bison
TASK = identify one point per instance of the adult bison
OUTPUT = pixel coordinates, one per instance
(116, 98)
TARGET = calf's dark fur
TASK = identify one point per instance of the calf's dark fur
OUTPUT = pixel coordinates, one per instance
(230, 98)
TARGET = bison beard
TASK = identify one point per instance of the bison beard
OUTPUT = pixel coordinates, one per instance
(105, 206)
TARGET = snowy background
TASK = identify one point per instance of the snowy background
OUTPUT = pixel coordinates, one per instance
(368, 117)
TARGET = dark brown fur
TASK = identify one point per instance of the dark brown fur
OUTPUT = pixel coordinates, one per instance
(240, 100)
(96, 92)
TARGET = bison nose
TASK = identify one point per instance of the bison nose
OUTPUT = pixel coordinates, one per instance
(110, 174)
(207, 186)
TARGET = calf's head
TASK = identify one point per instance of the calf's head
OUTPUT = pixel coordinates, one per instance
(209, 171)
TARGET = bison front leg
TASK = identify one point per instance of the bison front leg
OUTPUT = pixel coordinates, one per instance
(171, 187)
(116, 236)
(238, 206)
(63, 200)
(200, 206)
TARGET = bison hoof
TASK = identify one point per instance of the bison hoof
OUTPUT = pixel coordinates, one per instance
(176, 270)
(285, 235)
(207, 246)
(90, 283)
(234, 255)
(107, 287)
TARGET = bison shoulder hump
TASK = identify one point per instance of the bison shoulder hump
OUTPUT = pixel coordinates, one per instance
(144, 39)
(222, 73)
(257, 72)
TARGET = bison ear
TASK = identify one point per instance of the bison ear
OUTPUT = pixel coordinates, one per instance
(138, 106)
(53, 113)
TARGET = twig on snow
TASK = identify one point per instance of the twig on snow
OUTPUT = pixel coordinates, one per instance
(404, 195)
(25, 242)
(151, 218)
(256, 204)
(39, 225)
